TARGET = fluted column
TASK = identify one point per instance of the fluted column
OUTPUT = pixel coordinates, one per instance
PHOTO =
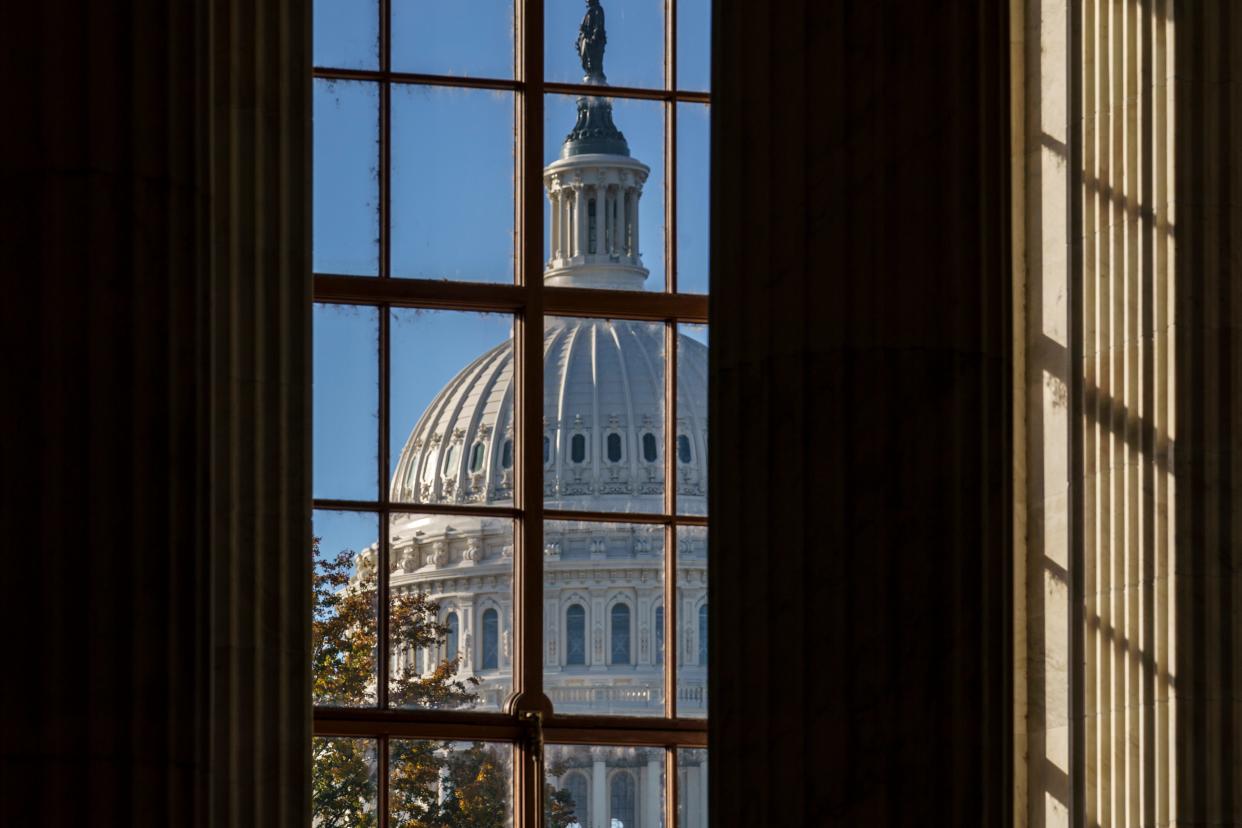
(651, 792)
(580, 216)
(599, 220)
(554, 215)
(159, 183)
(599, 794)
(623, 221)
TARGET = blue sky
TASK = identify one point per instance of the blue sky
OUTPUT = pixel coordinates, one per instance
(452, 197)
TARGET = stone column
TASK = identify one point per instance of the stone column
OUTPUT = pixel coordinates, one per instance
(691, 798)
(566, 224)
(634, 220)
(651, 792)
(580, 219)
(599, 794)
(599, 219)
(554, 217)
(624, 244)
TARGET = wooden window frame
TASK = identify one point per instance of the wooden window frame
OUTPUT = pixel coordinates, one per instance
(527, 719)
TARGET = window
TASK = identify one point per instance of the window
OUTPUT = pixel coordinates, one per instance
(659, 635)
(621, 800)
(683, 448)
(575, 635)
(576, 786)
(440, 287)
(450, 648)
(649, 447)
(703, 634)
(620, 636)
(489, 658)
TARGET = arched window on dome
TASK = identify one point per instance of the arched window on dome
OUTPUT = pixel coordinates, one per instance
(576, 785)
(650, 447)
(506, 454)
(577, 448)
(575, 635)
(614, 448)
(450, 639)
(703, 634)
(547, 450)
(450, 454)
(683, 448)
(477, 453)
(620, 635)
(659, 635)
(490, 657)
(621, 800)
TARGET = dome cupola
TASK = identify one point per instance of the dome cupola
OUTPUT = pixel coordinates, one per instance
(595, 186)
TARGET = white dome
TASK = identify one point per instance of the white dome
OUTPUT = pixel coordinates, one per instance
(603, 423)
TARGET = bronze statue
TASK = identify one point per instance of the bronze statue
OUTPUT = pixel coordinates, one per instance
(591, 40)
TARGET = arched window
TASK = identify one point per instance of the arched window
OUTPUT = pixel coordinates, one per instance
(620, 634)
(577, 448)
(450, 640)
(575, 635)
(476, 457)
(703, 634)
(659, 635)
(576, 785)
(621, 800)
(683, 448)
(506, 453)
(547, 449)
(490, 657)
(614, 448)
(449, 455)
(650, 452)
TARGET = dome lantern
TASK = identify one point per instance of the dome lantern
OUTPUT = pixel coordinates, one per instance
(594, 187)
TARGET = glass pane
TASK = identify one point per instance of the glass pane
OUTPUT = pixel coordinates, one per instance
(693, 216)
(452, 183)
(346, 34)
(694, 45)
(346, 177)
(449, 37)
(346, 401)
(602, 378)
(692, 788)
(692, 621)
(593, 785)
(449, 784)
(450, 390)
(343, 781)
(603, 588)
(634, 51)
(604, 196)
(343, 628)
(691, 440)
(446, 565)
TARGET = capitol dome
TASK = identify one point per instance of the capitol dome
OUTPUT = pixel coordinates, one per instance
(603, 452)
(603, 424)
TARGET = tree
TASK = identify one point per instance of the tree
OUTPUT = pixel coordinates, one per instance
(432, 784)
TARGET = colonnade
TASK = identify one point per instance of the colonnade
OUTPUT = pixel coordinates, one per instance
(594, 220)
